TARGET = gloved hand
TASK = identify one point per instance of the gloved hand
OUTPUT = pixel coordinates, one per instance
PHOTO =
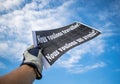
(33, 58)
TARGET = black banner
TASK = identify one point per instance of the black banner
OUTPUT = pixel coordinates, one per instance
(57, 41)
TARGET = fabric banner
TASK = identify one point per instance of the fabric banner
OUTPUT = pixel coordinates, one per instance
(58, 41)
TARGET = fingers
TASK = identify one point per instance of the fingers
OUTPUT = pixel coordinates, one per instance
(40, 54)
(32, 46)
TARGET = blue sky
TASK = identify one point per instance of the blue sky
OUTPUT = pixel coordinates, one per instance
(94, 62)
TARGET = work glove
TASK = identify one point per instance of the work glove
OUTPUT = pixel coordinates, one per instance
(33, 57)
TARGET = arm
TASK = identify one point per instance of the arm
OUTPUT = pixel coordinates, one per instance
(23, 75)
(30, 69)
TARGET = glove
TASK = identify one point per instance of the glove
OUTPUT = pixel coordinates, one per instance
(33, 57)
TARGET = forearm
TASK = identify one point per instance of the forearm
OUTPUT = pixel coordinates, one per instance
(26, 74)
(23, 75)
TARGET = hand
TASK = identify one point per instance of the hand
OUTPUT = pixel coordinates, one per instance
(33, 58)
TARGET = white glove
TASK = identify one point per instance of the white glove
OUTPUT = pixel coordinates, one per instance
(33, 58)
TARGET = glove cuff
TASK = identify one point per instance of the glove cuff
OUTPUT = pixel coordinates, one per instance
(33, 58)
(38, 73)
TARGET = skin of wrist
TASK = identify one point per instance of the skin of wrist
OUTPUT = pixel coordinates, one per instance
(30, 69)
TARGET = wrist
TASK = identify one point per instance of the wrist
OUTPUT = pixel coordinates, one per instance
(38, 75)
(29, 69)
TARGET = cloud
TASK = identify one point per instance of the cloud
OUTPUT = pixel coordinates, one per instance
(3, 47)
(19, 18)
(2, 66)
(17, 24)
(7, 6)
(89, 50)
(12, 51)
(73, 61)
(83, 69)
(111, 12)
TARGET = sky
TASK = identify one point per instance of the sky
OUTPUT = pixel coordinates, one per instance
(94, 62)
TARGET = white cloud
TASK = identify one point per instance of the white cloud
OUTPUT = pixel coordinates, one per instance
(9, 5)
(37, 4)
(3, 47)
(71, 61)
(112, 11)
(83, 69)
(16, 26)
(2, 66)
(12, 51)
(94, 48)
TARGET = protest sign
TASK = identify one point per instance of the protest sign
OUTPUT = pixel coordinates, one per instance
(58, 41)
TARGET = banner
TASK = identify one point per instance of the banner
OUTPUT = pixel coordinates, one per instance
(58, 41)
